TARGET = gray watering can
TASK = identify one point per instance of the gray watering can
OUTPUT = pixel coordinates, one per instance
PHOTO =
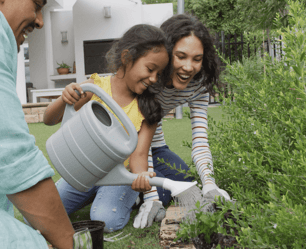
(91, 145)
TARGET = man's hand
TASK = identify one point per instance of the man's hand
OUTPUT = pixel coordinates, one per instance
(149, 211)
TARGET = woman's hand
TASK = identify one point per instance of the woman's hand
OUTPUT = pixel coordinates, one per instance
(211, 190)
(69, 95)
(141, 183)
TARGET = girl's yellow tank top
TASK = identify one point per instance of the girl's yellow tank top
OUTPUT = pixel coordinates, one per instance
(131, 110)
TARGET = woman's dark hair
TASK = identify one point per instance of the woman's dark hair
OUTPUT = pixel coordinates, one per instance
(183, 25)
(135, 43)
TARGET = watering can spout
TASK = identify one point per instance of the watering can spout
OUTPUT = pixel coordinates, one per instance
(120, 176)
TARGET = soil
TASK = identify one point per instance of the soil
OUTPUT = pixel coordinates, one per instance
(218, 238)
(215, 239)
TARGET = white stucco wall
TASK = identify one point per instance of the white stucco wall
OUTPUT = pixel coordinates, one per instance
(38, 57)
(20, 84)
(156, 14)
(68, 4)
(62, 52)
(41, 50)
(90, 24)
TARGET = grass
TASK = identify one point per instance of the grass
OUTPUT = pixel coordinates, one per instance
(176, 130)
(172, 127)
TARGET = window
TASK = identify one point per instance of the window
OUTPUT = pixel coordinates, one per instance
(94, 56)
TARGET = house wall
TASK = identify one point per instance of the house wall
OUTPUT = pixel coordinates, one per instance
(62, 52)
(41, 54)
(20, 81)
(38, 56)
(90, 24)
(156, 14)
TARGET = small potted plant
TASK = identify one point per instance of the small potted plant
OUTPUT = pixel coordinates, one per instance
(62, 68)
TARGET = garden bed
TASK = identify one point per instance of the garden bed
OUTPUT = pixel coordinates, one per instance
(171, 224)
(217, 238)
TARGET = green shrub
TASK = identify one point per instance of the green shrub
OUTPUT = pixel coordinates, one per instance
(206, 223)
(260, 151)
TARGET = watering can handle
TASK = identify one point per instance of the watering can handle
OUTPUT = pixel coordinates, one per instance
(127, 123)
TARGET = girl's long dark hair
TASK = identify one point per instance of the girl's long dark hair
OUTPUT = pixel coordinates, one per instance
(183, 25)
(138, 41)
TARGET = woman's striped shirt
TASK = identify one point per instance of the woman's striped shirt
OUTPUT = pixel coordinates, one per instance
(198, 102)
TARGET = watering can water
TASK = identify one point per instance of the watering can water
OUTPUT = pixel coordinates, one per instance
(91, 145)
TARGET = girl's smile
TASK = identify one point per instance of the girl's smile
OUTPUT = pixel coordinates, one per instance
(145, 84)
(145, 71)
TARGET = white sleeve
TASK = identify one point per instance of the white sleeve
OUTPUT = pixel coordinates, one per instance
(151, 194)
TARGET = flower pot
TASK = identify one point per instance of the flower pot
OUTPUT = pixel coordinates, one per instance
(95, 228)
(62, 70)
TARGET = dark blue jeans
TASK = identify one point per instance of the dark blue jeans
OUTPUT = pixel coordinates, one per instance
(162, 170)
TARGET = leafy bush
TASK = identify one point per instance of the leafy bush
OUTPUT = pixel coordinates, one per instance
(259, 152)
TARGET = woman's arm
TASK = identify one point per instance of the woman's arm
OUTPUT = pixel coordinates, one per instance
(201, 154)
(55, 111)
(139, 158)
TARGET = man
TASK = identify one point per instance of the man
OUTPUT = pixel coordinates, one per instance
(25, 176)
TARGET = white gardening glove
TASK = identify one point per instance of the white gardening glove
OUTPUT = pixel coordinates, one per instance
(211, 191)
(149, 211)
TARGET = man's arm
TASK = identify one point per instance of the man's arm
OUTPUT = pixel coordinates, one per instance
(42, 207)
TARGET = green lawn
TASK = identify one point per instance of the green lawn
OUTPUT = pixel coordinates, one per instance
(176, 130)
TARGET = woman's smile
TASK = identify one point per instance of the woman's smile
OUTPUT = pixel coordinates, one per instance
(187, 61)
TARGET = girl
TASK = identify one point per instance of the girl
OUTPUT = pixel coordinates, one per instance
(137, 60)
(193, 73)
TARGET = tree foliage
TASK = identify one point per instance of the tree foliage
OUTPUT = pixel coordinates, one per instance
(217, 15)
(258, 14)
(235, 16)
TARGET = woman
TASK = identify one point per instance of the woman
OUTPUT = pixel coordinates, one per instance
(193, 72)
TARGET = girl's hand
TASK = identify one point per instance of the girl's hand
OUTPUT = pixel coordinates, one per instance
(69, 95)
(141, 183)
